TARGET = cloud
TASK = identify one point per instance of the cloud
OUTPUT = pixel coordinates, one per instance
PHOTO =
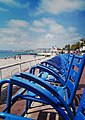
(59, 6)
(37, 29)
(7, 1)
(19, 34)
(51, 24)
(71, 29)
(43, 22)
(13, 3)
(18, 23)
(15, 27)
(56, 28)
(15, 35)
(38, 23)
(47, 24)
(3, 9)
(49, 36)
(55, 39)
(54, 34)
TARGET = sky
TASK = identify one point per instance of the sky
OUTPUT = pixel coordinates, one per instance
(31, 24)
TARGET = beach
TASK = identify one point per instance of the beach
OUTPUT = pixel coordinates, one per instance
(12, 60)
(10, 66)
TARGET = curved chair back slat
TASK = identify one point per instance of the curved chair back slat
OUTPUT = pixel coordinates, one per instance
(74, 77)
(80, 115)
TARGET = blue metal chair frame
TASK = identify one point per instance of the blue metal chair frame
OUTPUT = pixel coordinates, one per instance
(45, 71)
(50, 94)
(69, 89)
(44, 94)
(80, 115)
(59, 62)
(7, 116)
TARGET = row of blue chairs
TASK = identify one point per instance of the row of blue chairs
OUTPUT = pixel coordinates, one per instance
(50, 72)
(65, 70)
(80, 114)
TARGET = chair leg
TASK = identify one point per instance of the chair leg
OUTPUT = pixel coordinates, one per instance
(28, 103)
(9, 98)
(73, 108)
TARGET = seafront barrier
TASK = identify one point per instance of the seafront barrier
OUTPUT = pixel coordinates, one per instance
(8, 70)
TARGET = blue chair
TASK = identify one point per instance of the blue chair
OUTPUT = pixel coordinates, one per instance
(6, 116)
(80, 115)
(47, 93)
(59, 62)
(68, 90)
(44, 95)
(49, 73)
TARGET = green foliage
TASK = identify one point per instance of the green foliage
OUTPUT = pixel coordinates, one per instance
(67, 47)
(78, 45)
(75, 46)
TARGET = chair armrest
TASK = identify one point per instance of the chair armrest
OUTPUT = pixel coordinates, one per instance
(12, 117)
(47, 86)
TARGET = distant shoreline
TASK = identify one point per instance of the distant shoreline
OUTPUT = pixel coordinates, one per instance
(11, 54)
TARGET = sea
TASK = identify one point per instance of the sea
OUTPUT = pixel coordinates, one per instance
(8, 54)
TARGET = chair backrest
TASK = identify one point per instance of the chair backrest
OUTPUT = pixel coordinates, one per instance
(68, 65)
(65, 71)
(65, 63)
(62, 74)
(80, 115)
(74, 77)
(64, 58)
(54, 61)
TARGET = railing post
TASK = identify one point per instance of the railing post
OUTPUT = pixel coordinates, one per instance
(35, 61)
(0, 74)
(20, 70)
(30, 64)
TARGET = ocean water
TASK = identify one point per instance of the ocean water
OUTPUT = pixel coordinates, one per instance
(7, 54)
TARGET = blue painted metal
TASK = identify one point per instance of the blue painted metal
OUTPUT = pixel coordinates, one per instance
(43, 93)
(49, 94)
(68, 91)
(45, 71)
(80, 115)
(7, 116)
(57, 62)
